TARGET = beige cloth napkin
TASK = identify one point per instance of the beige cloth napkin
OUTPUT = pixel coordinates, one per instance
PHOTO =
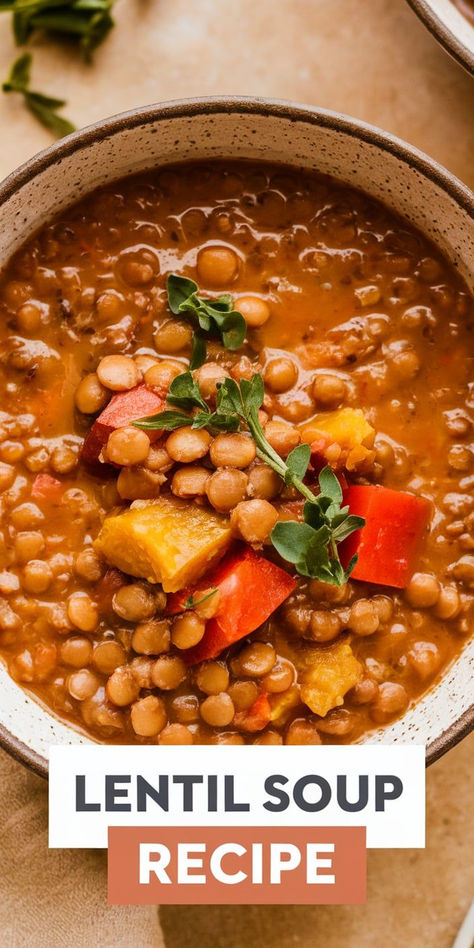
(54, 898)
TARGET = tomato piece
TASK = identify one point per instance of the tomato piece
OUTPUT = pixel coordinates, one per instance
(122, 409)
(250, 589)
(46, 488)
(387, 546)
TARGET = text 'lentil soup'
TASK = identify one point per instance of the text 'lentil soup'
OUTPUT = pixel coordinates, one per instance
(236, 467)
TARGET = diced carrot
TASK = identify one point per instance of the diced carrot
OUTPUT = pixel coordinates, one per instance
(318, 451)
(44, 660)
(46, 488)
(387, 546)
(291, 510)
(105, 589)
(250, 589)
(256, 717)
(122, 409)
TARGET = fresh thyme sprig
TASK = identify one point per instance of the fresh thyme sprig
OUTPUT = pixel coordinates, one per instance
(184, 394)
(311, 545)
(209, 317)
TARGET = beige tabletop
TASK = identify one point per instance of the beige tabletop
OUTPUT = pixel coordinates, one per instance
(371, 59)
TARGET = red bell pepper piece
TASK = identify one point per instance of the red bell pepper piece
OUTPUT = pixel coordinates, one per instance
(250, 589)
(256, 717)
(388, 544)
(46, 488)
(122, 409)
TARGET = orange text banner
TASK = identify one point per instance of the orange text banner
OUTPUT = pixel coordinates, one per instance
(236, 865)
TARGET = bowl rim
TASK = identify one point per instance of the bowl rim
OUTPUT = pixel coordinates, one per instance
(446, 37)
(293, 111)
(39, 765)
(208, 105)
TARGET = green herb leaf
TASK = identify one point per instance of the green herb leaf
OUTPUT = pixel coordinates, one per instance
(191, 602)
(35, 6)
(217, 420)
(19, 78)
(21, 27)
(216, 317)
(252, 393)
(298, 460)
(313, 514)
(46, 101)
(48, 117)
(88, 21)
(198, 352)
(233, 330)
(229, 398)
(99, 26)
(350, 566)
(315, 561)
(223, 304)
(184, 392)
(44, 107)
(329, 484)
(163, 421)
(291, 539)
(348, 526)
(61, 20)
(179, 289)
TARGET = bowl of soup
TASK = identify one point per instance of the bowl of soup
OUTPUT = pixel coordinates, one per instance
(236, 462)
(452, 23)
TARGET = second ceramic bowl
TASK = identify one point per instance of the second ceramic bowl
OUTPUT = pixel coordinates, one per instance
(448, 24)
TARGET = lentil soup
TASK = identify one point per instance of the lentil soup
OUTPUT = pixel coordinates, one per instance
(190, 578)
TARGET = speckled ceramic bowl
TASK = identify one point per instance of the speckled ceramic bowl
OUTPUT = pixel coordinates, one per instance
(450, 27)
(408, 182)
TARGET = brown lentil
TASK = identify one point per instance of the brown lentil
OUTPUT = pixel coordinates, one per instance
(226, 488)
(217, 710)
(253, 520)
(148, 716)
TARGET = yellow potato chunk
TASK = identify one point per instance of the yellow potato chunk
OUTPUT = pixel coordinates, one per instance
(348, 427)
(327, 676)
(283, 704)
(165, 541)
